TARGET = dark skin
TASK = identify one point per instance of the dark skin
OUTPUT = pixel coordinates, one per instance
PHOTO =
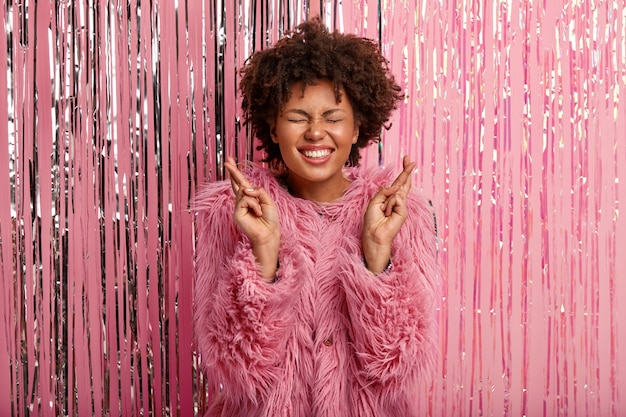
(256, 215)
(316, 133)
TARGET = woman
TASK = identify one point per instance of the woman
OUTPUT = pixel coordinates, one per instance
(315, 279)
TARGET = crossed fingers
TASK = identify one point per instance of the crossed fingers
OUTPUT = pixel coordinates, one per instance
(238, 181)
(397, 191)
(403, 181)
(251, 196)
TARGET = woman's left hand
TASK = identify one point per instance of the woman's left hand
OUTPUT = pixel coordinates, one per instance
(383, 218)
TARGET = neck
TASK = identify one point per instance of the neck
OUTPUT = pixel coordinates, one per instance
(318, 192)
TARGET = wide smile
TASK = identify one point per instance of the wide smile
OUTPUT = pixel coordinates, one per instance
(316, 153)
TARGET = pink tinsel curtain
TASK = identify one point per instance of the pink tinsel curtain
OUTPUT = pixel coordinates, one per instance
(116, 111)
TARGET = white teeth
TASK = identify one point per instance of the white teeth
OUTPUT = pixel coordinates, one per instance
(317, 154)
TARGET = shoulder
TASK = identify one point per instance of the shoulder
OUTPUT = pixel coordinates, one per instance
(213, 207)
(210, 194)
(367, 181)
(370, 179)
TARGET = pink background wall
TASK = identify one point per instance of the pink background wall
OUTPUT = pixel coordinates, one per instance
(116, 111)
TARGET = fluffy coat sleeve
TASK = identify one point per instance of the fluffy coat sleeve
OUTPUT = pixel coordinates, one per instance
(240, 320)
(392, 315)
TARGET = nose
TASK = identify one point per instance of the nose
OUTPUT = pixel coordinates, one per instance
(316, 130)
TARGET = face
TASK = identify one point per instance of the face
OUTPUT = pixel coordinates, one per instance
(315, 135)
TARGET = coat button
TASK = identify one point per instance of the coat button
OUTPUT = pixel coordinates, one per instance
(328, 341)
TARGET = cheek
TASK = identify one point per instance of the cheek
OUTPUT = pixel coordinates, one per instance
(285, 134)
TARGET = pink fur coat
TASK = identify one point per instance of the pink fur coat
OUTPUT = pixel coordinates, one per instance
(329, 338)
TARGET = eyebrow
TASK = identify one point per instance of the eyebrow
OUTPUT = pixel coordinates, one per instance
(306, 114)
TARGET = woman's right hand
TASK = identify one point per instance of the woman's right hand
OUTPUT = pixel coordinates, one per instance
(256, 215)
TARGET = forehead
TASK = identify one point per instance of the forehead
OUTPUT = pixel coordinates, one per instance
(323, 91)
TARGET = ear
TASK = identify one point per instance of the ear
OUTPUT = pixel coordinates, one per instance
(355, 134)
(273, 133)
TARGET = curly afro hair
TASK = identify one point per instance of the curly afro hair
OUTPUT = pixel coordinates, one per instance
(311, 53)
